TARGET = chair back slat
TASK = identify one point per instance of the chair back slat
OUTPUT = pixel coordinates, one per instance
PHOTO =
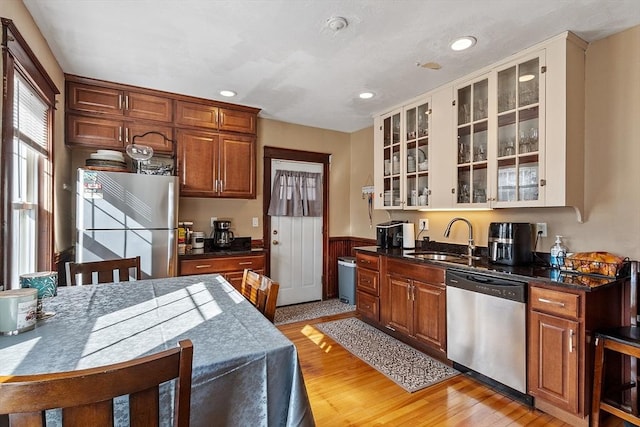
(102, 271)
(86, 396)
(260, 291)
(144, 408)
(27, 419)
(96, 414)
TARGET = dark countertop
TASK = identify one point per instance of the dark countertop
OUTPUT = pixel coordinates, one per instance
(533, 272)
(222, 253)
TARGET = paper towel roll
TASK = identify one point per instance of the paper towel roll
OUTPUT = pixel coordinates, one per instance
(408, 236)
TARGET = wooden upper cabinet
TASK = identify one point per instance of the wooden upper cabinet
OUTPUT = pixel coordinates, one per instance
(148, 107)
(88, 98)
(94, 132)
(157, 142)
(93, 99)
(198, 115)
(237, 121)
(237, 166)
(198, 159)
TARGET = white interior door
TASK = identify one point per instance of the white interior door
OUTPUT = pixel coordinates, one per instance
(296, 248)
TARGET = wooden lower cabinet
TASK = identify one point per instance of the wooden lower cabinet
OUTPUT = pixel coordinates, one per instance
(553, 360)
(367, 286)
(230, 267)
(560, 344)
(416, 303)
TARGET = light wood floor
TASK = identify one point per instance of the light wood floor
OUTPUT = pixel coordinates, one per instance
(345, 391)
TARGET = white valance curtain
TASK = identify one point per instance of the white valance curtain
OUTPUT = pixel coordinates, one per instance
(296, 194)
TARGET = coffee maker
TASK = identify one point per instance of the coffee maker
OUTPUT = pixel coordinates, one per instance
(222, 234)
(510, 243)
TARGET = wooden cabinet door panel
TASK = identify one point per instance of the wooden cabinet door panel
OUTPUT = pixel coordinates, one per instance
(94, 132)
(429, 314)
(192, 114)
(155, 141)
(401, 305)
(237, 166)
(94, 99)
(198, 157)
(237, 121)
(148, 107)
(553, 360)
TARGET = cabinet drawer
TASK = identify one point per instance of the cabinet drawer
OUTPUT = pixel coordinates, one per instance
(367, 281)
(367, 261)
(368, 305)
(220, 265)
(555, 302)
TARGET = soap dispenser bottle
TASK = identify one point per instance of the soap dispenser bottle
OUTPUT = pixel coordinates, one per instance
(558, 252)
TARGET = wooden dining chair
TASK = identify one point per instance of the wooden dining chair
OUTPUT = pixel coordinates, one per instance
(104, 271)
(625, 341)
(261, 291)
(86, 396)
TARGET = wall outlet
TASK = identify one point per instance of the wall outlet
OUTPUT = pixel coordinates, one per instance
(423, 224)
(254, 221)
(213, 219)
(541, 227)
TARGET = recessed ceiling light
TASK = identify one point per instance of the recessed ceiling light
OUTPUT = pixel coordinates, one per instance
(463, 43)
(366, 95)
(526, 77)
(227, 93)
(337, 23)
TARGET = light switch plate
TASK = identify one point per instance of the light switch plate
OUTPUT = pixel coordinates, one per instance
(254, 221)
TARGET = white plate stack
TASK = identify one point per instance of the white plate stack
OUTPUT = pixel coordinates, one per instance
(108, 160)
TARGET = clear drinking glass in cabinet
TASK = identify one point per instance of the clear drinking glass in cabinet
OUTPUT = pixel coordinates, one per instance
(480, 100)
(423, 120)
(528, 181)
(507, 180)
(464, 145)
(479, 192)
(507, 135)
(464, 185)
(464, 105)
(507, 85)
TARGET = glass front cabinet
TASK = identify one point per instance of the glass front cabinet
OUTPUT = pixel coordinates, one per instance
(402, 155)
(511, 136)
(472, 149)
(520, 89)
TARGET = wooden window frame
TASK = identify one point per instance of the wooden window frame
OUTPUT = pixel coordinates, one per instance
(17, 56)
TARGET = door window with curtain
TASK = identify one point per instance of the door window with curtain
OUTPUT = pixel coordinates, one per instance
(296, 194)
(26, 161)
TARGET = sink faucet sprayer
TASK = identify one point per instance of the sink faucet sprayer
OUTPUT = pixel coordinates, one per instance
(447, 231)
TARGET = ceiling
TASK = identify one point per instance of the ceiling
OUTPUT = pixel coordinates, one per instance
(279, 55)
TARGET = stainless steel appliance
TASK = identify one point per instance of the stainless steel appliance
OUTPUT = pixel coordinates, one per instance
(222, 235)
(486, 328)
(510, 243)
(389, 234)
(122, 215)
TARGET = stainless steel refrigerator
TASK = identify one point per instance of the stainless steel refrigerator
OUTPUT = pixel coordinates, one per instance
(122, 215)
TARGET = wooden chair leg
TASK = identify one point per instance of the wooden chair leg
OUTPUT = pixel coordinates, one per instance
(598, 379)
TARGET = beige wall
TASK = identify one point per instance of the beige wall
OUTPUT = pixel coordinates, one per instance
(16, 11)
(283, 135)
(612, 165)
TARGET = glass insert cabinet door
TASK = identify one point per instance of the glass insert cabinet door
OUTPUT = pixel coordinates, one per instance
(417, 155)
(519, 135)
(472, 152)
(391, 140)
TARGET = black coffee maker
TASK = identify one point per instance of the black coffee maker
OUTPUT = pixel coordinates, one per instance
(510, 243)
(222, 234)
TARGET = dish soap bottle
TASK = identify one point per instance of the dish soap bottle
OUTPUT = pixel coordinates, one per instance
(558, 252)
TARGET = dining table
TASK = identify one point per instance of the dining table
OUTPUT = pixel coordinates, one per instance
(245, 371)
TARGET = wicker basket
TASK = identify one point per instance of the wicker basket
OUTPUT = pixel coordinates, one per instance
(583, 264)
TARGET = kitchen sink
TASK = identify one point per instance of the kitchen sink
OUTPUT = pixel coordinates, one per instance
(443, 256)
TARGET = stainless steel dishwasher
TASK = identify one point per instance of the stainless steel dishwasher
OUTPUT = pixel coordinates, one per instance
(486, 327)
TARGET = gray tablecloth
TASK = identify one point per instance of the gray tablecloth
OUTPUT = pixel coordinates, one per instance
(245, 372)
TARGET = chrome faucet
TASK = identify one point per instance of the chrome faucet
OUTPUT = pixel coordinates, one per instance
(471, 246)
